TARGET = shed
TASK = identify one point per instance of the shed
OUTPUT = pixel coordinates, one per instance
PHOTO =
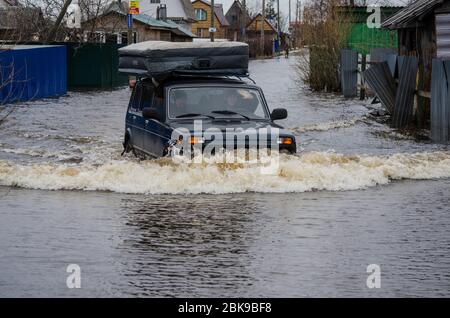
(238, 18)
(423, 31)
(30, 72)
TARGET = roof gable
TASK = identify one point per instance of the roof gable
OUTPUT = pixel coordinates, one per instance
(218, 12)
(188, 9)
(266, 22)
(7, 3)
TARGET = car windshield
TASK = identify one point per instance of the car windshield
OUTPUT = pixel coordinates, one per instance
(216, 102)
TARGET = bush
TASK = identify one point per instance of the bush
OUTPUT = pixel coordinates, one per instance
(324, 32)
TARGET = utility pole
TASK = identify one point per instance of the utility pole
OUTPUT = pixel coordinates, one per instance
(130, 29)
(52, 34)
(244, 20)
(212, 29)
(278, 25)
(263, 20)
(290, 13)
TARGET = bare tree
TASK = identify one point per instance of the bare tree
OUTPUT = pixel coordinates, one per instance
(52, 33)
(253, 7)
(324, 31)
(54, 17)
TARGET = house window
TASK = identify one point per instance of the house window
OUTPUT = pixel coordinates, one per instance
(201, 14)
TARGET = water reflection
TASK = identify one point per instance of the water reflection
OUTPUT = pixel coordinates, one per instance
(187, 244)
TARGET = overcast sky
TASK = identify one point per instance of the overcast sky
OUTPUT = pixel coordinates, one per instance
(284, 4)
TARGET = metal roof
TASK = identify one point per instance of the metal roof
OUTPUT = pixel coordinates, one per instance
(415, 12)
(12, 2)
(155, 23)
(188, 9)
(179, 30)
(148, 20)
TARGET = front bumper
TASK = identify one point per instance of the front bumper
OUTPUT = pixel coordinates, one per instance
(179, 147)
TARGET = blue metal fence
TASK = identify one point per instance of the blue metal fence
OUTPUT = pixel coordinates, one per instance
(404, 101)
(31, 72)
(378, 55)
(381, 81)
(349, 73)
(440, 101)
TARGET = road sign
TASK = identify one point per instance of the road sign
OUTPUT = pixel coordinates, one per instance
(134, 7)
(130, 21)
(212, 30)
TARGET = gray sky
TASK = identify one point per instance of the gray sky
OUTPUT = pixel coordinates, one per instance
(284, 4)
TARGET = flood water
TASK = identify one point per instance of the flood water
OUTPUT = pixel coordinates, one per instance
(358, 193)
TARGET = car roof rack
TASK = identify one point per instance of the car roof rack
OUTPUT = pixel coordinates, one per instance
(159, 59)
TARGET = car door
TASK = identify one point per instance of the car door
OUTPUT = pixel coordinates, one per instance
(155, 130)
(134, 118)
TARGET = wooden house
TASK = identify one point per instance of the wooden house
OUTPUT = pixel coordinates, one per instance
(202, 9)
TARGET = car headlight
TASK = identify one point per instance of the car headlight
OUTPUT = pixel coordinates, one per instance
(196, 140)
(285, 141)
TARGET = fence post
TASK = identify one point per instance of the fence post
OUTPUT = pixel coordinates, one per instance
(363, 68)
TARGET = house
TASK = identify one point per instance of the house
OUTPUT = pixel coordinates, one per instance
(8, 3)
(202, 9)
(253, 31)
(238, 18)
(18, 23)
(254, 27)
(178, 11)
(112, 27)
(423, 31)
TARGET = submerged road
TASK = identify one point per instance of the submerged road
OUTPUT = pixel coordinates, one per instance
(357, 194)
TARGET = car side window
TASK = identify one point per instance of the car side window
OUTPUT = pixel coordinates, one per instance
(147, 96)
(136, 99)
(158, 103)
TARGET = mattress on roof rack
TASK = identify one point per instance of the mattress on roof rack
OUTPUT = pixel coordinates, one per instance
(153, 58)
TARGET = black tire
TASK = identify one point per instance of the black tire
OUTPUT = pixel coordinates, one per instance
(127, 147)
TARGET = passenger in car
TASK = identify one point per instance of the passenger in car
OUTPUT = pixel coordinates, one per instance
(231, 100)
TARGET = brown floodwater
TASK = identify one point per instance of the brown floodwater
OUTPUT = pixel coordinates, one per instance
(358, 193)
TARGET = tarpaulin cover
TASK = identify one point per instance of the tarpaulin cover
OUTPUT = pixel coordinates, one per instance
(158, 57)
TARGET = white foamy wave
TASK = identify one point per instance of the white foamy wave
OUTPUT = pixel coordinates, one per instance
(41, 153)
(335, 124)
(311, 171)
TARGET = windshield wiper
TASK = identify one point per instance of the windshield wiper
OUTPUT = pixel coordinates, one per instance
(195, 115)
(229, 112)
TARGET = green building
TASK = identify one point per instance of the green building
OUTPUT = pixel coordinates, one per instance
(362, 38)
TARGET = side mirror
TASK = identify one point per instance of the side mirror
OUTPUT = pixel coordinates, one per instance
(279, 114)
(151, 113)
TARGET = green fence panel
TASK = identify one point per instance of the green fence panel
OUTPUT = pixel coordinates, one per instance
(362, 38)
(92, 65)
